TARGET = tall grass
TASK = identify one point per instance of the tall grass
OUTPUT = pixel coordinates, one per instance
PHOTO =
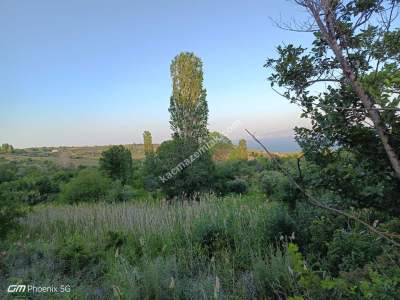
(215, 248)
(99, 218)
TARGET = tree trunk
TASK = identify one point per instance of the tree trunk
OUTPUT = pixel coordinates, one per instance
(329, 34)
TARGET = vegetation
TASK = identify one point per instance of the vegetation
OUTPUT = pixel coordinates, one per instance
(6, 148)
(356, 114)
(191, 219)
(184, 164)
(88, 186)
(148, 143)
(188, 105)
(116, 162)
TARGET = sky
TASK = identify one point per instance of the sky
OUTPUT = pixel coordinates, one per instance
(94, 72)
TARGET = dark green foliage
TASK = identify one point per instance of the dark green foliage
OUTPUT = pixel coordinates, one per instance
(8, 172)
(349, 154)
(279, 187)
(238, 186)
(278, 224)
(350, 250)
(115, 240)
(116, 162)
(150, 179)
(213, 238)
(274, 183)
(88, 186)
(38, 189)
(233, 177)
(11, 209)
(118, 192)
(76, 255)
(184, 165)
(191, 180)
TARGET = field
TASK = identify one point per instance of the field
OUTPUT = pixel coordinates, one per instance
(69, 156)
(151, 251)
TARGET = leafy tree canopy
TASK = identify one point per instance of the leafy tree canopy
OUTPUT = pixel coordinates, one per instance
(116, 162)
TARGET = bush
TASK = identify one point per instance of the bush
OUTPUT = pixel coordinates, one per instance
(11, 209)
(115, 239)
(37, 189)
(350, 250)
(8, 172)
(119, 192)
(275, 184)
(279, 187)
(238, 186)
(75, 254)
(232, 177)
(212, 238)
(88, 186)
(278, 223)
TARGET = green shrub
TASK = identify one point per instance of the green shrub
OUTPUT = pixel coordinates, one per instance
(37, 189)
(238, 186)
(278, 224)
(115, 239)
(232, 177)
(11, 209)
(350, 250)
(272, 182)
(8, 172)
(381, 287)
(212, 238)
(75, 254)
(119, 192)
(88, 186)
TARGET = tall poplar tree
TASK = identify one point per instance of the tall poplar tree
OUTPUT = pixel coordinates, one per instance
(189, 116)
(148, 143)
(243, 149)
(188, 105)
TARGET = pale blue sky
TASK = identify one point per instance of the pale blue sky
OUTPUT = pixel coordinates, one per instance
(93, 72)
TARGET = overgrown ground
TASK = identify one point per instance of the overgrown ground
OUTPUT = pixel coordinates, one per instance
(231, 248)
(258, 239)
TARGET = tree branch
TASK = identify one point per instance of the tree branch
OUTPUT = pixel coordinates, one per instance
(313, 201)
